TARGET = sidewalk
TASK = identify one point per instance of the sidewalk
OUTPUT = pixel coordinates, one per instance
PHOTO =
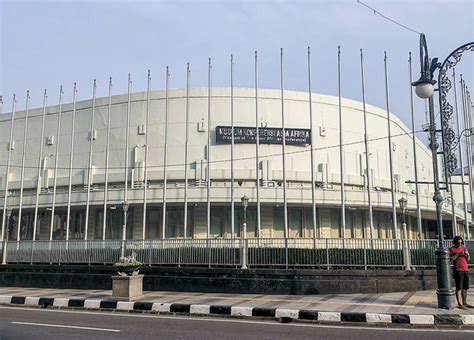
(415, 308)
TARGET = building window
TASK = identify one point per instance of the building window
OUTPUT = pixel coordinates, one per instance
(175, 222)
(252, 222)
(308, 222)
(26, 226)
(278, 222)
(153, 224)
(218, 218)
(76, 228)
(115, 220)
(296, 222)
(59, 226)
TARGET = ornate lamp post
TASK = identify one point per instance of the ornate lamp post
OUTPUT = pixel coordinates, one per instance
(8, 213)
(243, 232)
(424, 89)
(125, 206)
(403, 208)
(406, 256)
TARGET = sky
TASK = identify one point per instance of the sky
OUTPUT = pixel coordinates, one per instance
(48, 43)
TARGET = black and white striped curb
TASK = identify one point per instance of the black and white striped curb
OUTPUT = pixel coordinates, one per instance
(241, 311)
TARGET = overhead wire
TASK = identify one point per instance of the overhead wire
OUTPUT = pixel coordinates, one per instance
(389, 19)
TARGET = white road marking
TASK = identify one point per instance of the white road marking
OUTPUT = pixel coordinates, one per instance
(270, 323)
(65, 326)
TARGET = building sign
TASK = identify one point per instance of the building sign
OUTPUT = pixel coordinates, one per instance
(247, 135)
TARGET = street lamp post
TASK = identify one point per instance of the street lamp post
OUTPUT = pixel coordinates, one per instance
(8, 213)
(125, 206)
(406, 256)
(243, 232)
(424, 89)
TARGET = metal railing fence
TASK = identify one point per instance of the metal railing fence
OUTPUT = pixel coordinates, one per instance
(264, 252)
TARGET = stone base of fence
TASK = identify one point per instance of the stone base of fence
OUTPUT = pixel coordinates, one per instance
(224, 280)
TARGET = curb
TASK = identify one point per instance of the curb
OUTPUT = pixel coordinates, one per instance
(284, 315)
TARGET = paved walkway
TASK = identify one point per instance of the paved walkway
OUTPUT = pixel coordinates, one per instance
(414, 303)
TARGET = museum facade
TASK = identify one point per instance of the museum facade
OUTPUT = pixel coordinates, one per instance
(66, 170)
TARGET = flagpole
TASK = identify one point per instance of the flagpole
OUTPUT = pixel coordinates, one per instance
(23, 160)
(313, 185)
(12, 122)
(127, 138)
(40, 159)
(367, 154)
(341, 148)
(461, 161)
(56, 160)
(467, 125)
(186, 146)
(89, 169)
(257, 146)
(106, 180)
(71, 158)
(283, 138)
(208, 170)
(165, 157)
(394, 209)
(415, 162)
(145, 187)
(469, 138)
(232, 184)
(454, 222)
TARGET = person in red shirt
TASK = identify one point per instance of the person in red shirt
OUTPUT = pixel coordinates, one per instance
(460, 257)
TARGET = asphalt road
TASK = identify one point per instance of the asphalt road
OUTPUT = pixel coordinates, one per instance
(26, 323)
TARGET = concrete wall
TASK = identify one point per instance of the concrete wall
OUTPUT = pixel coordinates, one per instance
(225, 280)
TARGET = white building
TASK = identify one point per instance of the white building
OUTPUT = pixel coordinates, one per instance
(102, 147)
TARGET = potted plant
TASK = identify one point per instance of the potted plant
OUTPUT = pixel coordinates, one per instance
(128, 265)
(128, 284)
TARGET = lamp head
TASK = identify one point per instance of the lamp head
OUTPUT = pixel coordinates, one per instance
(424, 87)
(125, 206)
(245, 201)
(403, 203)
